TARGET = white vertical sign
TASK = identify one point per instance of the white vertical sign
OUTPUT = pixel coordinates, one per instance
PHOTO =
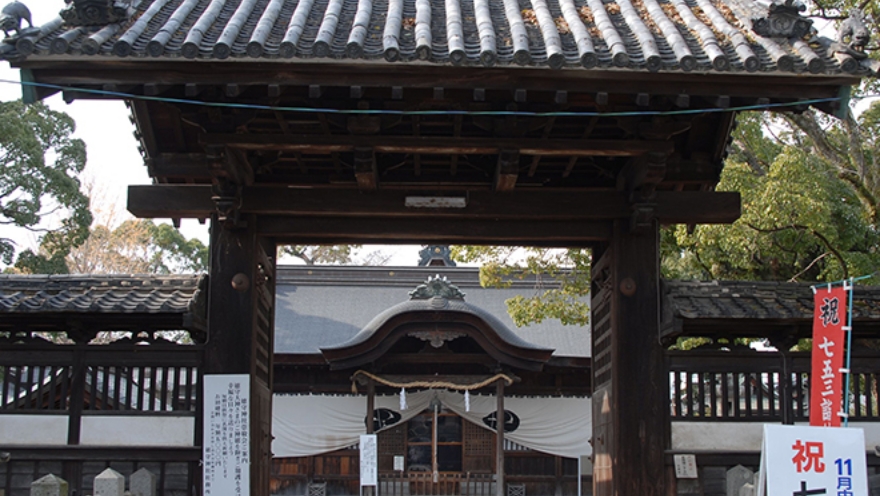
(685, 466)
(226, 442)
(807, 461)
(369, 462)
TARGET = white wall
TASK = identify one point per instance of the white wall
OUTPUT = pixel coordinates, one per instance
(34, 430)
(742, 436)
(105, 430)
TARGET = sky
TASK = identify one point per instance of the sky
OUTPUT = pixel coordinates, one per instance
(113, 160)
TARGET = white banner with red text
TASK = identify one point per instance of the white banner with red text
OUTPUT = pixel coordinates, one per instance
(813, 461)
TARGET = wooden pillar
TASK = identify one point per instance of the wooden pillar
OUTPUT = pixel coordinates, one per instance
(241, 318)
(499, 438)
(71, 470)
(630, 383)
(371, 407)
(786, 397)
(371, 404)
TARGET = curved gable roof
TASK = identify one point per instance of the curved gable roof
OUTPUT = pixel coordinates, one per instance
(440, 302)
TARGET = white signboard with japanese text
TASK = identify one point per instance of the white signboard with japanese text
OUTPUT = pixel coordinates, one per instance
(685, 466)
(226, 443)
(369, 460)
(813, 461)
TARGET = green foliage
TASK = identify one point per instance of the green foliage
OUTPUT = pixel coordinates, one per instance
(562, 280)
(138, 247)
(801, 219)
(39, 162)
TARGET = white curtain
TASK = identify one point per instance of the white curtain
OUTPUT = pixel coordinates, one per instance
(305, 425)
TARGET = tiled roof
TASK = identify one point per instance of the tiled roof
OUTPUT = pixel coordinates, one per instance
(739, 301)
(318, 307)
(669, 35)
(110, 294)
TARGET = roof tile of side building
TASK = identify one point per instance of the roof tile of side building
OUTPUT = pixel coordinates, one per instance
(117, 294)
(669, 35)
(756, 300)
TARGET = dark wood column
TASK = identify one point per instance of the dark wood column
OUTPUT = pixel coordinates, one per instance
(630, 386)
(241, 318)
(499, 439)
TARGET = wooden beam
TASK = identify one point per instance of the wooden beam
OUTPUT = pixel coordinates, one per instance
(179, 166)
(508, 232)
(438, 146)
(131, 71)
(194, 201)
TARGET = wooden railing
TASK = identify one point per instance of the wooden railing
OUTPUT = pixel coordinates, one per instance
(79, 381)
(760, 386)
(144, 380)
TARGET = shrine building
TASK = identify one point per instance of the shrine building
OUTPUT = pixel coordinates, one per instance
(551, 123)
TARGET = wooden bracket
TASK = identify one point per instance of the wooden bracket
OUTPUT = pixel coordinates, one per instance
(507, 170)
(643, 216)
(227, 201)
(640, 177)
(365, 169)
(230, 173)
(228, 163)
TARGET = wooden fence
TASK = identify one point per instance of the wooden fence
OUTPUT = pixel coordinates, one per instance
(760, 386)
(81, 381)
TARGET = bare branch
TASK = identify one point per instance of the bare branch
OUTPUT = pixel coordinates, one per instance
(757, 165)
(806, 122)
(815, 233)
(855, 145)
(810, 266)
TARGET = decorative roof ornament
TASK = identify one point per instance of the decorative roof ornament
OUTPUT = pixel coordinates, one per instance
(436, 255)
(849, 47)
(95, 12)
(782, 20)
(10, 20)
(853, 36)
(436, 287)
(437, 338)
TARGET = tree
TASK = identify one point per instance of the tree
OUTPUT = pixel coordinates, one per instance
(335, 255)
(562, 280)
(39, 164)
(138, 247)
(809, 204)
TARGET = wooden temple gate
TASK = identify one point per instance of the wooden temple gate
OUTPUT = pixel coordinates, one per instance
(343, 145)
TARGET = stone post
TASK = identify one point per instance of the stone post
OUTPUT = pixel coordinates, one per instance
(738, 477)
(747, 490)
(109, 483)
(142, 483)
(49, 485)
